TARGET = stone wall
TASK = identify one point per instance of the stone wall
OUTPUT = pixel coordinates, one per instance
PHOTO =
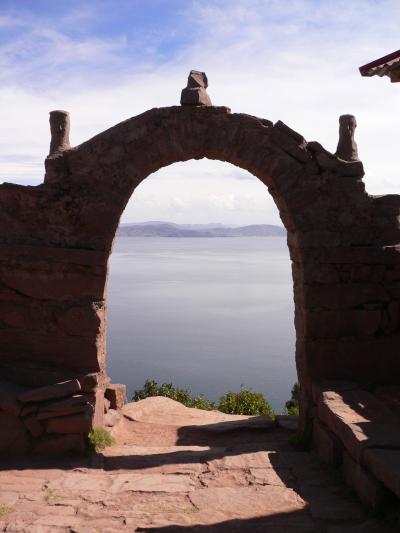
(56, 419)
(55, 240)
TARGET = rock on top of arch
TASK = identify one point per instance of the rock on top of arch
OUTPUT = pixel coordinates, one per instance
(197, 79)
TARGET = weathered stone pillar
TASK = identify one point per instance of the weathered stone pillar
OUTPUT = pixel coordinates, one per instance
(59, 128)
(347, 146)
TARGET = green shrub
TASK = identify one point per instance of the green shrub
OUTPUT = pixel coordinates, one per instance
(98, 439)
(245, 402)
(292, 405)
(151, 388)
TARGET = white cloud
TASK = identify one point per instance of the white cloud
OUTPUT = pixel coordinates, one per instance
(196, 191)
(296, 61)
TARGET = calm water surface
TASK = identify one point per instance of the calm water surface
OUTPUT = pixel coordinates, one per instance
(205, 314)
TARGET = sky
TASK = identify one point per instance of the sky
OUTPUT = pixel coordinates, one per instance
(107, 60)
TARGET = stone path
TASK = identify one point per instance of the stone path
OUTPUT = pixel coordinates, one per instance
(176, 470)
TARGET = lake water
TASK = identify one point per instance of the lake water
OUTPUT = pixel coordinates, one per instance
(208, 314)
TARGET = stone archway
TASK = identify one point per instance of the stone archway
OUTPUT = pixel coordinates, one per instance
(56, 239)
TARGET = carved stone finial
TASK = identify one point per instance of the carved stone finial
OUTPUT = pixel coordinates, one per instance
(195, 92)
(347, 146)
(59, 129)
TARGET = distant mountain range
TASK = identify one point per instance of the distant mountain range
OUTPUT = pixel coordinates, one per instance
(169, 229)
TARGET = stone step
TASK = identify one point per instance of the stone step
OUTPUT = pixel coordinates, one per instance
(359, 420)
(369, 429)
(390, 395)
(385, 465)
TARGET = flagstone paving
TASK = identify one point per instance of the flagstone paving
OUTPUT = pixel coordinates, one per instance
(196, 474)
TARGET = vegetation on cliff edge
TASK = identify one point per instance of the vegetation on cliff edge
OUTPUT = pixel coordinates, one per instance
(292, 405)
(244, 402)
(151, 388)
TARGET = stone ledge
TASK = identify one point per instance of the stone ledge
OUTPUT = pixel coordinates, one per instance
(359, 420)
(385, 465)
(370, 491)
(328, 446)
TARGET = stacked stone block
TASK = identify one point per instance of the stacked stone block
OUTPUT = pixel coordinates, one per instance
(51, 419)
(358, 430)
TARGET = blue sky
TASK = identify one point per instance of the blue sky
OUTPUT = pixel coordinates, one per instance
(104, 61)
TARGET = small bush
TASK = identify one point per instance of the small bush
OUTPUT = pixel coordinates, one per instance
(151, 388)
(292, 405)
(245, 402)
(98, 440)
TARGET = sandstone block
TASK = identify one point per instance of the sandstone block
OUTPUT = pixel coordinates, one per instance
(327, 504)
(315, 273)
(195, 93)
(290, 141)
(9, 393)
(49, 285)
(369, 490)
(33, 425)
(78, 423)
(341, 323)
(89, 382)
(28, 409)
(58, 390)
(13, 435)
(196, 97)
(359, 420)
(328, 446)
(31, 376)
(365, 358)
(315, 238)
(392, 273)
(390, 396)
(385, 466)
(73, 401)
(60, 445)
(328, 161)
(76, 404)
(81, 320)
(116, 394)
(342, 295)
(289, 132)
(197, 79)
